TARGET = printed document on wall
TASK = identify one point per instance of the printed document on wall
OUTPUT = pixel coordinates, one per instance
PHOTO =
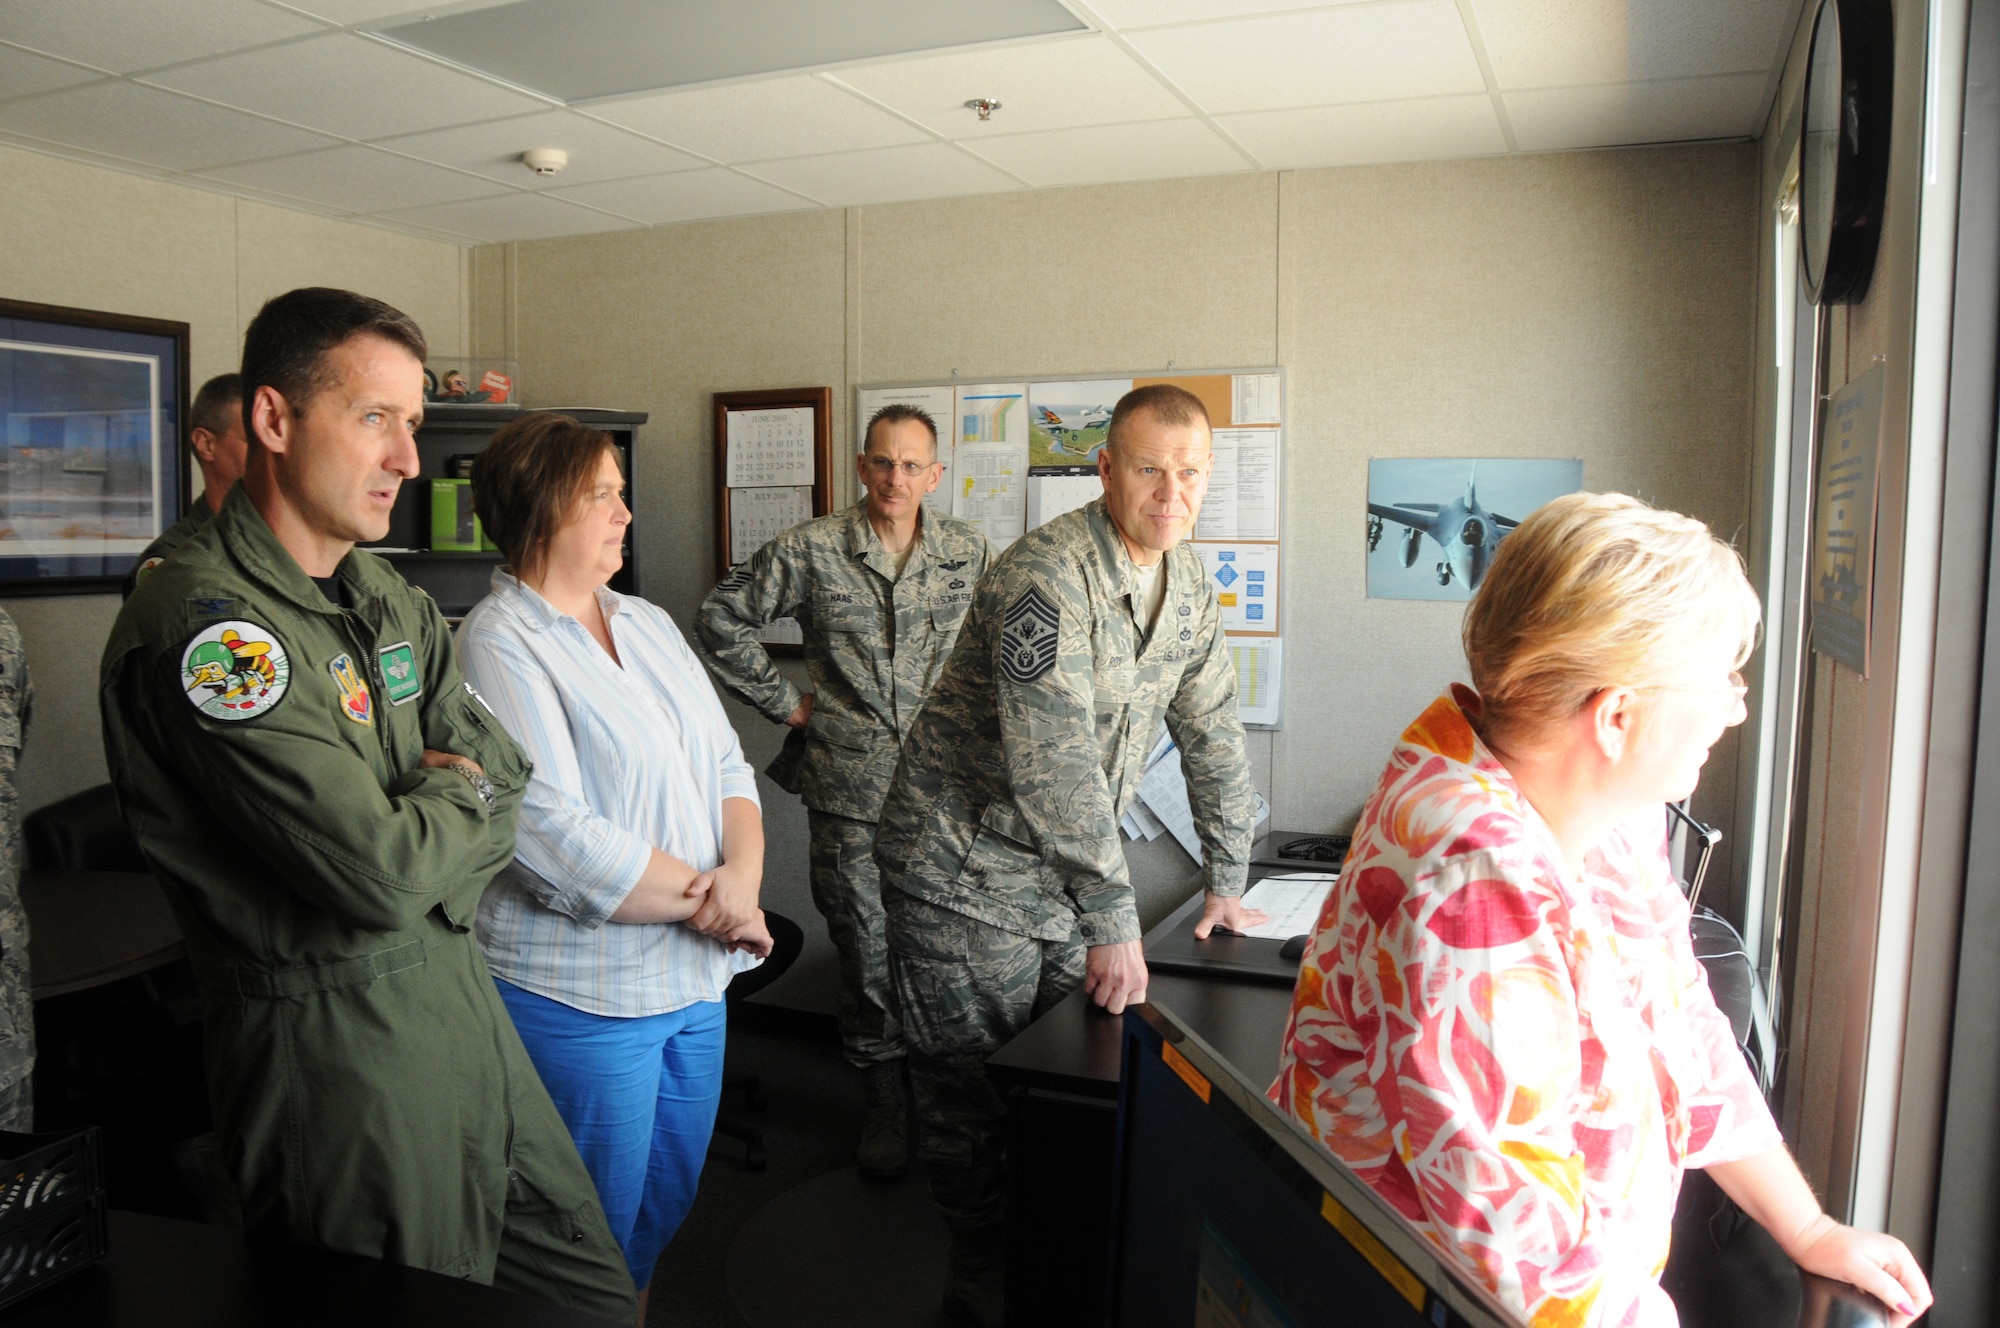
(1245, 577)
(990, 464)
(1260, 678)
(1254, 399)
(770, 447)
(1218, 509)
(936, 402)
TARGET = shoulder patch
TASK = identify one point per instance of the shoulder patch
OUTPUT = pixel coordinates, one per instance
(1028, 636)
(235, 670)
(139, 572)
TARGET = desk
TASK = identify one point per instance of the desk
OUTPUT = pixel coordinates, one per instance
(1060, 1081)
(162, 1273)
(87, 928)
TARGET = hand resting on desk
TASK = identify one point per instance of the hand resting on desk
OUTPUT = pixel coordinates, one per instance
(1227, 912)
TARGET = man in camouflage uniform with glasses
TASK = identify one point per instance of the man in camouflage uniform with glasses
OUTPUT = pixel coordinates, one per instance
(879, 591)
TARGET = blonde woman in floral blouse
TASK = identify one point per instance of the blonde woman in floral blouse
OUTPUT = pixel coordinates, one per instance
(1500, 1023)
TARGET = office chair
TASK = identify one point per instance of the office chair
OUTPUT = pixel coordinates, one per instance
(787, 940)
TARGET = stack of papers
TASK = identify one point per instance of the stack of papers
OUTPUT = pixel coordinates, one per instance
(1162, 805)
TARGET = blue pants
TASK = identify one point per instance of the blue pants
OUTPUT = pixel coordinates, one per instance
(639, 1097)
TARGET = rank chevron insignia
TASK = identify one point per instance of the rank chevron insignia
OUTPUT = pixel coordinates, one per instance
(1028, 637)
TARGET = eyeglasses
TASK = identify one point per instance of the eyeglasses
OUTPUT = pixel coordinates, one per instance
(883, 466)
(1736, 686)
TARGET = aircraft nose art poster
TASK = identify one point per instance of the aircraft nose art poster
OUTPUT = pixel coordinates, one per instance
(1435, 524)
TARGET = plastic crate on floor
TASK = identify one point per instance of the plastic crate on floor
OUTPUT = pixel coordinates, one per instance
(52, 1219)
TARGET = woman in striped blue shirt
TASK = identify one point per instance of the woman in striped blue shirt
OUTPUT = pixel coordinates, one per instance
(632, 897)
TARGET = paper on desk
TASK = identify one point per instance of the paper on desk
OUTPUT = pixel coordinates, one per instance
(1293, 901)
(1142, 824)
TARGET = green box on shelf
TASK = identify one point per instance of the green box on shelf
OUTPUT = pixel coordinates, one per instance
(454, 525)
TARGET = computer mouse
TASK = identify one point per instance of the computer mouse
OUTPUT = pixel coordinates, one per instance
(1294, 950)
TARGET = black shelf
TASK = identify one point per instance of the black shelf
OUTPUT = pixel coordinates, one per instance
(457, 579)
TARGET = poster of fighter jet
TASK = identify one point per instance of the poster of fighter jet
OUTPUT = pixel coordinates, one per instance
(1434, 525)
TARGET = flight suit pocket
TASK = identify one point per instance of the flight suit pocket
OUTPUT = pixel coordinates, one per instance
(476, 732)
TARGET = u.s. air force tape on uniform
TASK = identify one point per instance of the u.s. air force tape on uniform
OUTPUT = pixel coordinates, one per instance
(1028, 636)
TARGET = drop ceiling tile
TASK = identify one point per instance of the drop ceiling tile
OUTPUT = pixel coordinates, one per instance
(124, 35)
(513, 217)
(1428, 130)
(1103, 154)
(1666, 112)
(350, 86)
(359, 179)
(1126, 15)
(1047, 85)
(1561, 43)
(887, 175)
(597, 151)
(23, 74)
(778, 117)
(1362, 53)
(127, 120)
(686, 196)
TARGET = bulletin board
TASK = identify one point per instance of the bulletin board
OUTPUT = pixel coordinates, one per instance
(1022, 452)
(773, 469)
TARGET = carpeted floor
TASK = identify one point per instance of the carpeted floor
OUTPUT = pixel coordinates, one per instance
(806, 1243)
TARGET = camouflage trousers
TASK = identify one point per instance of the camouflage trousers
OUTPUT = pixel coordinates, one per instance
(17, 1046)
(966, 988)
(847, 890)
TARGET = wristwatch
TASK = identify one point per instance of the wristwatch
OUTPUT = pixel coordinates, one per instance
(475, 777)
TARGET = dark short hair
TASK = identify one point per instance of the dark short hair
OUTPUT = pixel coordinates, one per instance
(218, 403)
(286, 344)
(528, 478)
(1163, 401)
(895, 413)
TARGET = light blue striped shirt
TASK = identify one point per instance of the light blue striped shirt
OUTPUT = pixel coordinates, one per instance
(627, 760)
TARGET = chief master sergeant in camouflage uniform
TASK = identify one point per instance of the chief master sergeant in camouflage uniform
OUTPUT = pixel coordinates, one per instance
(323, 800)
(1006, 884)
(17, 1006)
(880, 591)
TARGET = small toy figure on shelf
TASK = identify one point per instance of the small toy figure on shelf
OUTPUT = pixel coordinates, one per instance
(455, 389)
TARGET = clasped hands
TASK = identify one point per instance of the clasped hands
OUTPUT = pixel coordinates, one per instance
(728, 910)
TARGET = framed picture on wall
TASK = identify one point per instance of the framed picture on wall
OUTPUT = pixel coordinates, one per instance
(92, 453)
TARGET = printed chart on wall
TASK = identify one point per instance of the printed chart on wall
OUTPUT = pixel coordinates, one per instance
(1019, 454)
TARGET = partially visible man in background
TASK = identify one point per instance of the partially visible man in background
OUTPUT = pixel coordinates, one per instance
(222, 451)
(17, 1006)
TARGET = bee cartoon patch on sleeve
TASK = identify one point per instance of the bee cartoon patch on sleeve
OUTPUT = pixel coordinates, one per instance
(1028, 636)
(235, 670)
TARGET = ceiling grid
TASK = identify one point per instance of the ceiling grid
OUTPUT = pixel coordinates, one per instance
(308, 104)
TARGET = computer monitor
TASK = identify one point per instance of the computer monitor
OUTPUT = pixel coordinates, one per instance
(1229, 1215)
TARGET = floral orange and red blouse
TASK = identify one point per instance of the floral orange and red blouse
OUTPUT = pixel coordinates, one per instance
(1522, 1063)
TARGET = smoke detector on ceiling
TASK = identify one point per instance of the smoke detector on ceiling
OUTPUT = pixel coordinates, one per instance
(545, 161)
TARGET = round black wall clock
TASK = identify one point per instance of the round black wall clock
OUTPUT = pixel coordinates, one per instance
(1844, 160)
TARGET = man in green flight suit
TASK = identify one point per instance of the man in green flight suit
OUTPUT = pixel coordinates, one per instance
(879, 591)
(999, 845)
(324, 799)
(221, 449)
